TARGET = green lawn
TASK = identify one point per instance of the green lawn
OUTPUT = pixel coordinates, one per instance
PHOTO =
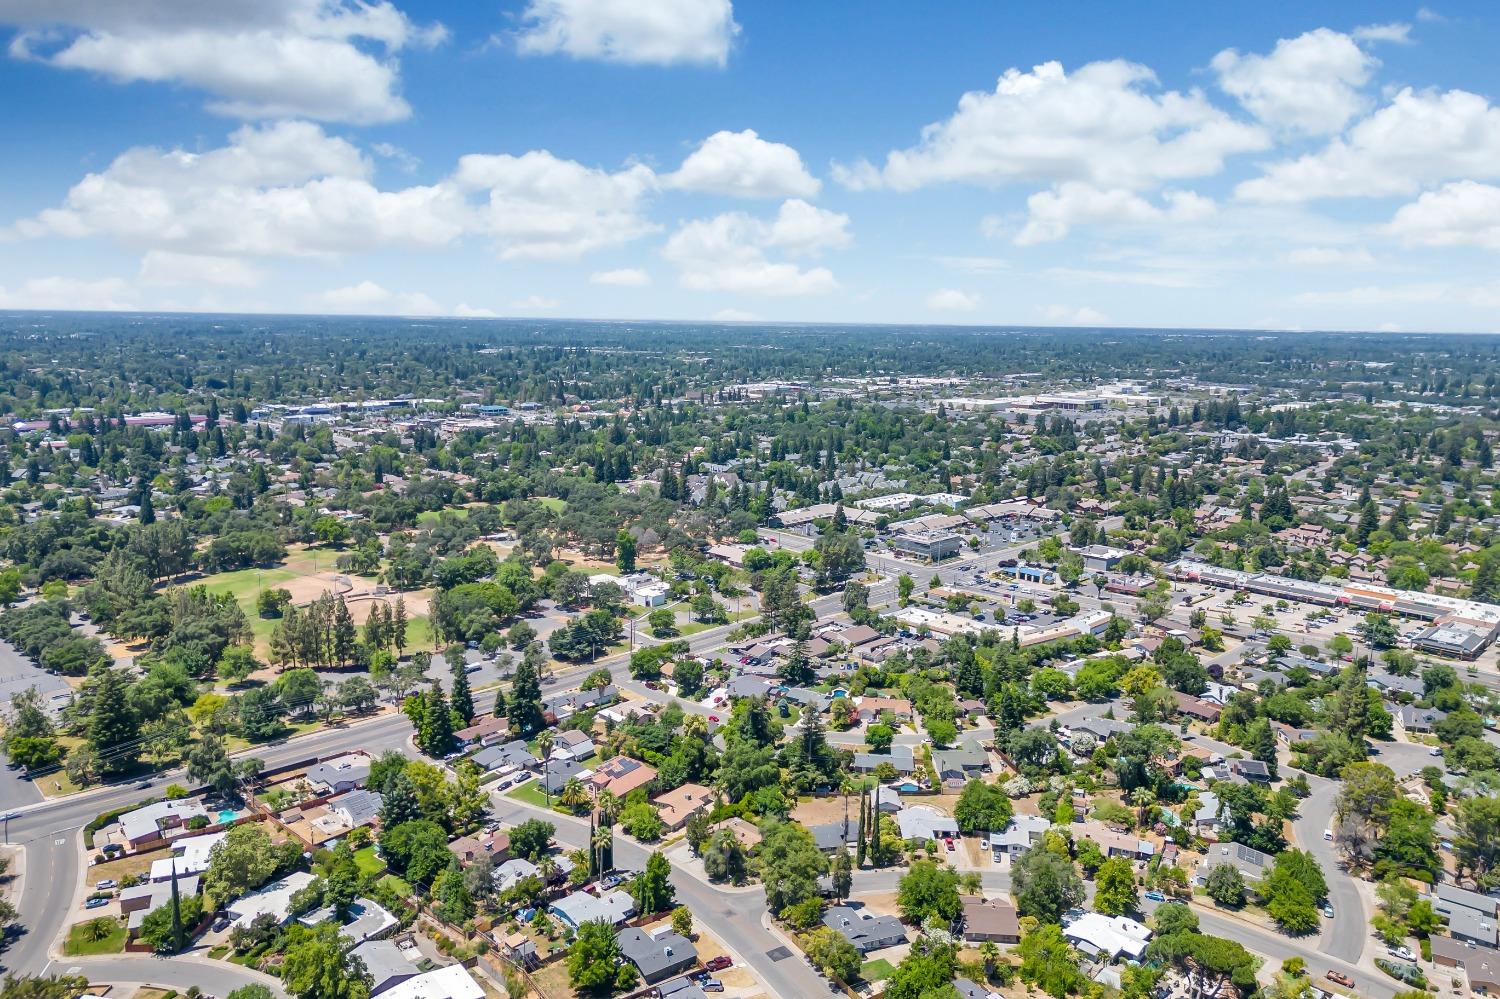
(80, 945)
(427, 517)
(553, 503)
(876, 971)
(397, 885)
(367, 862)
(531, 793)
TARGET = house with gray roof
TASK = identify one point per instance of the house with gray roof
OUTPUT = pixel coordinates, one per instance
(865, 931)
(960, 764)
(900, 757)
(580, 907)
(559, 771)
(657, 956)
(1018, 837)
(343, 773)
(356, 808)
(385, 963)
(832, 836)
(1252, 864)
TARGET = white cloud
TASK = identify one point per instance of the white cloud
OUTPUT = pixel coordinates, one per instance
(728, 252)
(369, 298)
(734, 316)
(624, 277)
(542, 207)
(288, 189)
(1465, 213)
(656, 32)
(952, 300)
(267, 59)
(464, 310)
(1330, 256)
(1102, 125)
(72, 294)
(1051, 214)
(1067, 315)
(1395, 32)
(743, 165)
(1417, 139)
(535, 303)
(164, 267)
(1309, 84)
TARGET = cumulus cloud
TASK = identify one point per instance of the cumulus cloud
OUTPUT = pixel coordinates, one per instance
(1105, 125)
(1309, 84)
(656, 32)
(734, 316)
(729, 251)
(1395, 33)
(268, 59)
(164, 267)
(952, 300)
(1465, 213)
(371, 299)
(538, 206)
(743, 165)
(1051, 214)
(1419, 138)
(1068, 315)
(289, 189)
(624, 277)
(464, 310)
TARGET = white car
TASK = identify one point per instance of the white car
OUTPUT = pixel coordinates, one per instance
(1328, 834)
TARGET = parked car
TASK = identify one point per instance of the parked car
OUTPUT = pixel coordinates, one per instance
(95, 903)
(1328, 909)
(473, 667)
(712, 985)
(107, 884)
(1404, 953)
(719, 963)
(1155, 896)
(1339, 978)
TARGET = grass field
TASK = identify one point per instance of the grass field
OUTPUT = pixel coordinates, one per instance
(306, 572)
(876, 971)
(367, 862)
(433, 516)
(80, 941)
(531, 793)
(553, 503)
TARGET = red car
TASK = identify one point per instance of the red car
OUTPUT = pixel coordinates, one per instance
(718, 964)
(714, 719)
(1339, 978)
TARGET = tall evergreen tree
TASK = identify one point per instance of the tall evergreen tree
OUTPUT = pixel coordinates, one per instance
(526, 697)
(113, 728)
(435, 734)
(463, 701)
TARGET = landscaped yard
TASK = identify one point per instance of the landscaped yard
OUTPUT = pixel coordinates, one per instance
(93, 937)
(877, 970)
(531, 793)
(367, 862)
(119, 870)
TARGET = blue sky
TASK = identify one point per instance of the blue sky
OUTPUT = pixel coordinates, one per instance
(1332, 166)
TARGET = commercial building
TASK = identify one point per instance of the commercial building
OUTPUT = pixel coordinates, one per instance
(933, 546)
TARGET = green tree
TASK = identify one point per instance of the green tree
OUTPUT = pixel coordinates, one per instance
(928, 889)
(982, 807)
(790, 864)
(652, 888)
(317, 965)
(1114, 887)
(1226, 885)
(594, 960)
(831, 953)
(1045, 885)
(1049, 962)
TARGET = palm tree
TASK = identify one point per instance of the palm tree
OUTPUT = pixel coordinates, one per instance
(1142, 798)
(545, 742)
(989, 953)
(609, 808)
(574, 795)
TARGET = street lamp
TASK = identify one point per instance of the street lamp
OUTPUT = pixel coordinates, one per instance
(6, 819)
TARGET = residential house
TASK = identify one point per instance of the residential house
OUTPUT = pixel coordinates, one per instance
(342, 773)
(558, 772)
(274, 899)
(921, 823)
(994, 921)
(1018, 837)
(572, 744)
(871, 708)
(681, 803)
(385, 963)
(1480, 965)
(1252, 864)
(956, 766)
(150, 824)
(451, 981)
(1110, 937)
(139, 901)
(485, 732)
(657, 956)
(1114, 844)
(865, 931)
(1471, 916)
(509, 754)
(621, 775)
(833, 836)
(495, 845)
(580, 907)
(900, 757)
(1254, 771)
(1195, 708)
(189, 856)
